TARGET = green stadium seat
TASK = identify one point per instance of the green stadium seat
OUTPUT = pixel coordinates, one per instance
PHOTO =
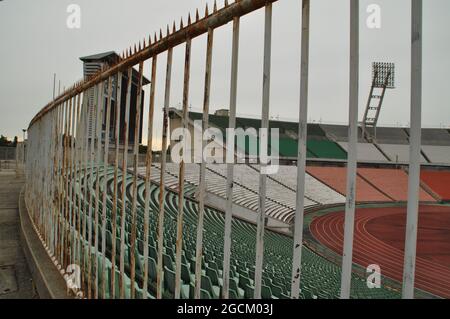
(169, 281)
(240, 293)
(249, 291)
(213, 290)
(266, 293)
(212, 274)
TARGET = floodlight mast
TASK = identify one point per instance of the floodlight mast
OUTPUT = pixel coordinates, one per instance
(383, 78)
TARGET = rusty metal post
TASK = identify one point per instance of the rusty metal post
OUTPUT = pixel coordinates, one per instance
(98, 159)
(81, 133)
(202, 186)
(65, 201)
(104, 186)
(135, 181)
(179, 244)
(159, 277)
(124, 182)
(115, 184)
(72, 206)
(148, 167)
(72, 193)
(230, 166)
(86, 206)
(90, 186)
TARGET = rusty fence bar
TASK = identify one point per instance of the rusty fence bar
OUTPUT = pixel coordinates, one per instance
(115, 207)
(160, 232)
(148, 165)
(135, 182)
(104, 184)
(124, 184)
(180, 217)
(202, 182)
(230, 167)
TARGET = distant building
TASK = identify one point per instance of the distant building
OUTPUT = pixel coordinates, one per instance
(91, 65)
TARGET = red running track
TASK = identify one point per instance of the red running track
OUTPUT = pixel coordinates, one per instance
(379, 239)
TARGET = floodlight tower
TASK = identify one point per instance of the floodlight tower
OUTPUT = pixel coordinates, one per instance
(383, 78)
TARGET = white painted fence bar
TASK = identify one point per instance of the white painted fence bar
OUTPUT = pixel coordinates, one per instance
(301, 158)
(415, 149)
(263, 148)
(352, 152)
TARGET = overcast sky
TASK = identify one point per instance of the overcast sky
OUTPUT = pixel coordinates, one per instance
(36, 42)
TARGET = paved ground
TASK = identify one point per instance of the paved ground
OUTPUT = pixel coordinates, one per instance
(15, 278)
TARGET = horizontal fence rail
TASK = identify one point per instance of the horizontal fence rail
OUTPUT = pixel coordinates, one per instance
(126, 235)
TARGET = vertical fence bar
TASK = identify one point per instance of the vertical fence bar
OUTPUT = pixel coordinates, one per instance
(179, 244)
(349, 224)
(105, 185)
(60, 179)
(81, 133)
(159, 277)
(98, 159)
(263, 177)
(202, 188)
(86, 202)
(301, 158)
(148, 168)
(124, 182)
(115, 183)
(75, 177)
(414, 151)
(90, 186)
(54, 180)
(230, 166)
(135, 181)
(72, 181)
(65, 184)
(68, 212)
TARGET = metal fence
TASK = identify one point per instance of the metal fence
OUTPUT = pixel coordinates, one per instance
(7, 153)
(68, 172)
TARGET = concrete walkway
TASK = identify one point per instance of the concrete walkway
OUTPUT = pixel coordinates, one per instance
(15, 278)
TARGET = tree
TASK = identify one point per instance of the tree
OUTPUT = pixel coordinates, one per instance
(16, 140)
(4, 141)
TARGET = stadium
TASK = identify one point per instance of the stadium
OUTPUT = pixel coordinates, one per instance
(354, 211)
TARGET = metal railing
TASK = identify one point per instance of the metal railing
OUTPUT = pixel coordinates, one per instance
(69, 188)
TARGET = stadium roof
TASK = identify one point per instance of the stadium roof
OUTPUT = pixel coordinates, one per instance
(111, 57)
